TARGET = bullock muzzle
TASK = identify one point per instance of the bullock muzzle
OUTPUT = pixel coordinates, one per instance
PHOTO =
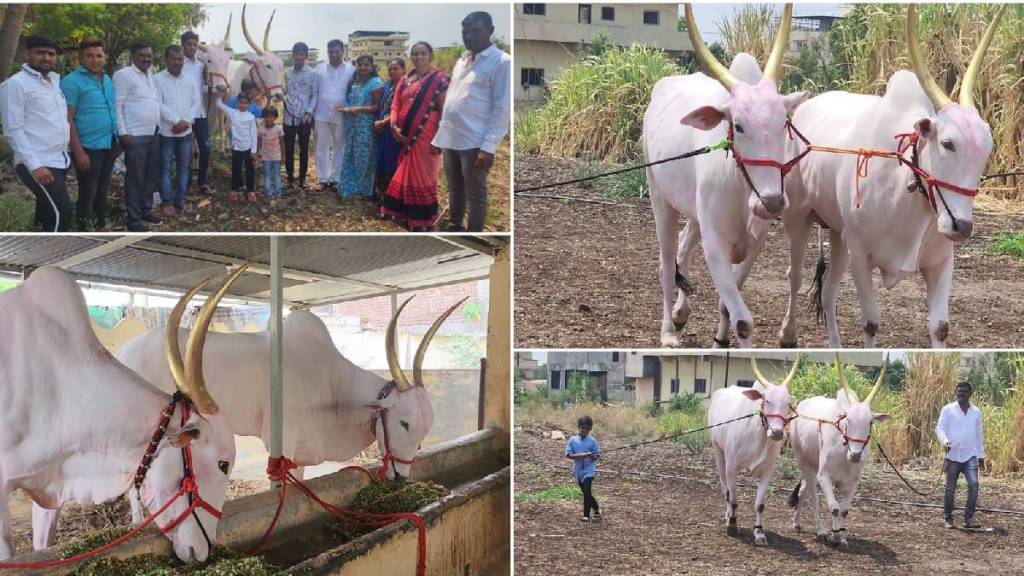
(962, 231)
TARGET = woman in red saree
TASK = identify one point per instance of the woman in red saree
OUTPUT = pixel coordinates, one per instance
(411, 198)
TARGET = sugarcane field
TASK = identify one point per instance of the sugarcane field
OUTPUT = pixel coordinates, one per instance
(772, 176)
(254, 405)
(664, 421)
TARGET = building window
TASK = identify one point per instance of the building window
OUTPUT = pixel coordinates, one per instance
(608, 13)
(652, 17)
(745, 383)
(700, 386)
(531, 77)
(535, 9)
(615, 356)
(584, 13)
(675, 386)
(556, 375)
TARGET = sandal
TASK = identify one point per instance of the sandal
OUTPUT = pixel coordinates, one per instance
(251, 197)
(232, 196)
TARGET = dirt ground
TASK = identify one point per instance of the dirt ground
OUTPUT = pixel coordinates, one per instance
(586, 276)
(303, 210)
(656, 526)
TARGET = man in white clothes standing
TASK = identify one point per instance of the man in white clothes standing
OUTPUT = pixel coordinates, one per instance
(334, 76)
(474, 121)
(959, 432)
(195, 68)
(179, 105)
(138, 120)
(35, 120)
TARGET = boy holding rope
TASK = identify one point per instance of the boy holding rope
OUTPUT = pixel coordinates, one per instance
(583, 450)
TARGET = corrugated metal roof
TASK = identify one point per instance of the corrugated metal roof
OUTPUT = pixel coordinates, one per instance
(318, 269)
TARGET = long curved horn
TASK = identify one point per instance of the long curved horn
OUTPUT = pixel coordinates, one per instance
(878, 384)
(792, 371)
(757, 373)
(266, 33)
(421, 352)
(974, 68)
(171, 346)
(842, 379)
(715, 68)
(245, 31)
(939, 98)
(392, 353)
(773, 67)
(197, 391)
(227, 33)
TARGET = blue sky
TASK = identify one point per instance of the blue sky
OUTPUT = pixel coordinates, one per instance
(316, 24)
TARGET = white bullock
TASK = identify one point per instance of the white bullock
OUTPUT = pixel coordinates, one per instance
(262, 66)
(830, 442)
(749, 445)
(728, 202)
(75, 423)
(892, 223)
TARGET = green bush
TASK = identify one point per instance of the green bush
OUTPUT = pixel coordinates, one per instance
(17, 213)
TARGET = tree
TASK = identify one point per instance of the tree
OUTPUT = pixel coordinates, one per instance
(10, 34)
(119, 25)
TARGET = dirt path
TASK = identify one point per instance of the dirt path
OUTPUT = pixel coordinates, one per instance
(587, 277)
(301, 210)
(665, 527)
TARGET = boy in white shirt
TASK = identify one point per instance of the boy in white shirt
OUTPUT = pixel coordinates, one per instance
(244, 138)
(960, 432)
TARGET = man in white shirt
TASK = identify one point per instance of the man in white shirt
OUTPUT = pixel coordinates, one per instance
(138, 119)
(474, 120)
(960, 432)
(195, 68)
(35, 121)
(334, 76)
(179, 104)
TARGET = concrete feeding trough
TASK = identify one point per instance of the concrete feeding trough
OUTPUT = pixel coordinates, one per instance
(468, 531)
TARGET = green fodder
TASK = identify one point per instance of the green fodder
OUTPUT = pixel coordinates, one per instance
(17, 213)
(1008, 244)
(752, 30)
(91, 541)
(562, 492)
(595, 107)
(868, 45)
(222, 562)
(386, 498)
(528, 130)
(1009, 450)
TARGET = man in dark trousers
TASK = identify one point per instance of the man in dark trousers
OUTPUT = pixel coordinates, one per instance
(301, 88)
(959, 431)
(138, 119)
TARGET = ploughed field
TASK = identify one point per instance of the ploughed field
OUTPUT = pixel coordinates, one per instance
(654, 527)
(586, 276)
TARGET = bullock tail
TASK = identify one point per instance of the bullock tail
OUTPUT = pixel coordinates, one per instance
(794, 497)
(819, 279)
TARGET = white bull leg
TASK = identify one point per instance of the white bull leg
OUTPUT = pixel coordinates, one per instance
(760, 539)
(135, 502)
(828, 488)
(689, 238)
(830, 287)
(798, 232)
(938, 281)
(6, 545)
(870, 315)
(808, 485)
(731, 499)
(845, 501)
(741, 271)
(715, 253)
(723, 481)
(666, 221)
(44, 526)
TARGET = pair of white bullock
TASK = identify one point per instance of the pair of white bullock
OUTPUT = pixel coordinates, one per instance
(829, 437)
(75, 422)
(899, 222)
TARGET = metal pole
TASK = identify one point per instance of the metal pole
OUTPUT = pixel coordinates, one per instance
(276, 351)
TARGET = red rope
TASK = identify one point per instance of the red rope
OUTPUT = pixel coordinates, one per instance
(279, 470)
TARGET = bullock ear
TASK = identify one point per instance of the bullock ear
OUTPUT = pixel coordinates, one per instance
(925, 128)
(250, 57)
(791, 101)
(752, 394)
(184, 437)
(704, 118)
(386, 402)
(880, 417)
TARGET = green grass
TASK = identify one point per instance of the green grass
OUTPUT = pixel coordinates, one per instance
(17, 213)
(1009, 244)
(631, 184)
(567, 492)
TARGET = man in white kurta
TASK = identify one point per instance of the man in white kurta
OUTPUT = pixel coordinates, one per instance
(959, 430)
(334, 76)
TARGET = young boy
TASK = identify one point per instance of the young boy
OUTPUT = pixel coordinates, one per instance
(243, 145)
(584, 451)
(271, 151)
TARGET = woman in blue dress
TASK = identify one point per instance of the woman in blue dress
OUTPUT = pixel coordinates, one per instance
(365, 91)
(387, 146)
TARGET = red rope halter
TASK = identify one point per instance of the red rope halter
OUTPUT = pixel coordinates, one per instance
(783, 167)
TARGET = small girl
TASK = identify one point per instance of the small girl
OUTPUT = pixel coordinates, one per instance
(243, 145)
(584, 452)
(271, 150)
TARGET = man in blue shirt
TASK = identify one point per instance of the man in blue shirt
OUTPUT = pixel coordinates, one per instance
(583, 450)
(91, 113)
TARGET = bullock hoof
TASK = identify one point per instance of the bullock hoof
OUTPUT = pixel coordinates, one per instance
(798, 528)
(822, 537)
(783, 344)
(843, 544)
(732, 529)
(680, 314)
(760, 540)
(669, 340)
